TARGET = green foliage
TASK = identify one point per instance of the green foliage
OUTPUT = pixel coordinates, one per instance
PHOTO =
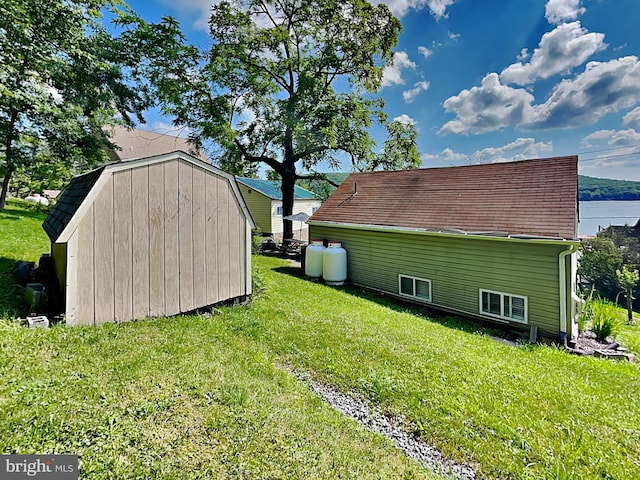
(62, 80)
(591, 188)
(599, 260)
(586, 315)
(605, 321)
(627, 280)
(288, 84)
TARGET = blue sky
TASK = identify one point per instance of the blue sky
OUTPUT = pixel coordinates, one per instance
(500, 80)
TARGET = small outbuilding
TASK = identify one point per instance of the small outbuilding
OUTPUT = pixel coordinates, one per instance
(494, 242)
(154, 236)
(264, 200)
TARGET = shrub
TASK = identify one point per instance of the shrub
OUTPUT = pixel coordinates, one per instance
(605, 321)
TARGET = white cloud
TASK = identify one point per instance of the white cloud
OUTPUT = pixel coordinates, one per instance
(424, 51)
(560, 50)
(632, 118)
(164, 127)
(400, 8)
(202, 8)
(404, 118)
(559, 11)
(392, 74)
(411, 94)
(614, 138)
(490, 107)
(603, 88)
(519, 149)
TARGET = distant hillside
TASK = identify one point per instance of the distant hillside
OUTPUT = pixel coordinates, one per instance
(591, 188)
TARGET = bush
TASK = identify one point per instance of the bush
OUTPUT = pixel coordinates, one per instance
(605, 321)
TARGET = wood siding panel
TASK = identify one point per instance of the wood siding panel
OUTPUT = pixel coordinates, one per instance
(141, 245)
(185, 235)
(123, 246)
(199, 239)
(222, 243)
(84, 282)
(211, 238)
(156, 241)
(457, 268)
(236, 287)
(171, 240)
(260, 207)
(103, 254)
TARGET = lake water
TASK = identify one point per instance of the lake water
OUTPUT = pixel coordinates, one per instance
(598, 215)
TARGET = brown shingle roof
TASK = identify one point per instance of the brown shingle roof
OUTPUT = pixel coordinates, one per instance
(531, 197)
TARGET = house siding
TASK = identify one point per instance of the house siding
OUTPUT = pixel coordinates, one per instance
(299, 206)
(260, 207)
(457, 267)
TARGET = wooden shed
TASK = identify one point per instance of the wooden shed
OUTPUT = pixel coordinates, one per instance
(154, 236)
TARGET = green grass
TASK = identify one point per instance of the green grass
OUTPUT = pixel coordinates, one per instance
(196, 397)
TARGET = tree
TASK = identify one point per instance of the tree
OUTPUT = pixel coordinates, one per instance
(62, 79)
(286, 83)
(599, 260)
(627, 280)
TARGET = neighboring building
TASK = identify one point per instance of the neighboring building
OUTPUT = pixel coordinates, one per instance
(136, 143)
(150, 237)
(494, 242)
(264, 199)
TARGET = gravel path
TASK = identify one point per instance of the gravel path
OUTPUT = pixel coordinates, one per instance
(391, 427)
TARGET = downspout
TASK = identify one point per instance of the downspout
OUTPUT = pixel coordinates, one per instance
(563, 290)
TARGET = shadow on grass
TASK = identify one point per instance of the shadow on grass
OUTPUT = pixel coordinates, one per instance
(11, 294)
(10, 213)
(468, 325)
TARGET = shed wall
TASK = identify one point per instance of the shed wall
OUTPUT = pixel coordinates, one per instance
(159, 239)
(457, 267)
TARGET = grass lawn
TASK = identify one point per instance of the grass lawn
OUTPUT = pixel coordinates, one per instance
(198, 397)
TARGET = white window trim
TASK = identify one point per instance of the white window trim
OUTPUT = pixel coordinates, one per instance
(422, 299)
(279, 210)
(504, 317)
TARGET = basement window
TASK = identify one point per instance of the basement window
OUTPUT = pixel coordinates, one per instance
(419, 288)
(504, 306)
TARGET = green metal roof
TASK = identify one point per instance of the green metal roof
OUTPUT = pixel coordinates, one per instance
(271, 189)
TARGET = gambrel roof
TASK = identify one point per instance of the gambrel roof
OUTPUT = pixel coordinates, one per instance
(78, 194)
(525, 198)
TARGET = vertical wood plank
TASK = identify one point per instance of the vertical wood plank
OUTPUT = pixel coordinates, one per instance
(211, 238)
(103, 254)
(223, 240)
(185, 234)
(199, 248)
(141, 233)
(83, 282)
(171, 241)
(122, 246)
(235, 266)
(156, 241)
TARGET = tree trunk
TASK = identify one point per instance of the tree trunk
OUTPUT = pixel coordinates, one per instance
(288, 175)
(5, 188)
(629, 308)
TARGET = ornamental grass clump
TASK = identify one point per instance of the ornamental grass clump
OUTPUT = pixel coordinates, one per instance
(605, 321)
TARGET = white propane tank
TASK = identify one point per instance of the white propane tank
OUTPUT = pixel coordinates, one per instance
(334, 264)
(313, 259)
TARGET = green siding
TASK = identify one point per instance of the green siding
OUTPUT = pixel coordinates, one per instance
(259, 206)
(457, 267)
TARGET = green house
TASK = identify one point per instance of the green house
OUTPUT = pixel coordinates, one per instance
(264, 200)
(494, 242)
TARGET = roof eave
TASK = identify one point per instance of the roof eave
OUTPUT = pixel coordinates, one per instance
(498, 236)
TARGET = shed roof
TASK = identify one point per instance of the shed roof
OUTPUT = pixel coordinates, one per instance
(536, 197)
(137, 143)
(76, 195)
(271, 189)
